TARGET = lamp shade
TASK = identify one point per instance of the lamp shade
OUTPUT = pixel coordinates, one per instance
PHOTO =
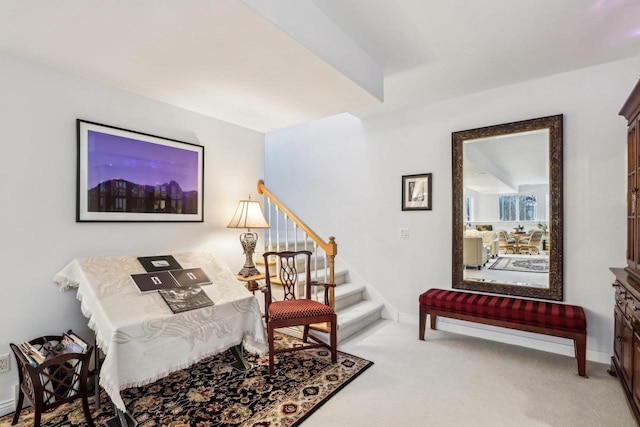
(248, 215)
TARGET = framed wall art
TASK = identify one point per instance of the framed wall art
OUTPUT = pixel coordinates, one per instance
(416, 192)
(130, 176)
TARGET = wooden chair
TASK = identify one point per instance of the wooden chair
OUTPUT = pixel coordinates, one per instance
(296, 311)
(505, 244)
(531, 245)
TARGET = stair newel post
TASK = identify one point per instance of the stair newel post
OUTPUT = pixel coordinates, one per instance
(332, 250)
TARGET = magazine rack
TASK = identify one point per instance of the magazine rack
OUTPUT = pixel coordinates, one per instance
(60, 379)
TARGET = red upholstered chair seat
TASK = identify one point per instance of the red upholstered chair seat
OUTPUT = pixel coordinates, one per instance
(537, 313)
(297, 309)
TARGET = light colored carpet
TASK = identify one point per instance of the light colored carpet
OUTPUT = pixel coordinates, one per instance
(453, 380)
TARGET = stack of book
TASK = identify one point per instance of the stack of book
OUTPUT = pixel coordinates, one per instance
(32, 354)
(69, 343)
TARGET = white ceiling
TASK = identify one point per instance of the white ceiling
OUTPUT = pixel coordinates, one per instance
(220, 58)
(506, 164)
(432, 50)
(256, 65)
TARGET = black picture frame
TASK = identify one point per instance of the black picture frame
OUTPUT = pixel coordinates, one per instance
(416, 192)
(129, 176)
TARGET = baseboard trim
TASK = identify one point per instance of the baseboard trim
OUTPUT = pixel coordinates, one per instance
(510, 336)
(7, 407)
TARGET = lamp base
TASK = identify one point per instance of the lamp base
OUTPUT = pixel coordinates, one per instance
(249, 271)
(248, 241)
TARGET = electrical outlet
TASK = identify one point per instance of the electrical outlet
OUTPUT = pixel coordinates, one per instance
(4, 363)
(404, 233)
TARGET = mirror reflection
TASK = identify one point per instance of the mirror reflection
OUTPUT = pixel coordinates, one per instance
(506, 193)
(507, 197)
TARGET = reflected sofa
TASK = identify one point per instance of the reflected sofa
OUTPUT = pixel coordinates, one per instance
(474, 252)
(489, 239)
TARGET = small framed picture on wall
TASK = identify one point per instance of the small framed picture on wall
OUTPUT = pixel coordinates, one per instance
(416, 192)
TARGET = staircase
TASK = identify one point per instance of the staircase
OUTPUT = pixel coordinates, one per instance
(355, 308)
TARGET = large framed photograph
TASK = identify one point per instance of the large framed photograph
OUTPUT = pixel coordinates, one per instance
(130, 176)
(416, 192)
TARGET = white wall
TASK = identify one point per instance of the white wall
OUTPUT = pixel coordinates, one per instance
(39, 235)
(343, 176)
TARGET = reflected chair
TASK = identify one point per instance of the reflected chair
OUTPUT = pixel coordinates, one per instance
(531, 245)
(506, 244)
(292, 266)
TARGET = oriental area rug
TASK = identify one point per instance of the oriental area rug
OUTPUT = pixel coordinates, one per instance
(212, 393)
(529, 265)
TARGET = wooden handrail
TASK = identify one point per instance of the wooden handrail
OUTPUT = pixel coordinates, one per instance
(330, 247)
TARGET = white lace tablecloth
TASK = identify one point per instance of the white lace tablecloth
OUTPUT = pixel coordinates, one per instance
(140, 336)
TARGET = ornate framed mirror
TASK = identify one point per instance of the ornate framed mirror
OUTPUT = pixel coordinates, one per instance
(507, 208)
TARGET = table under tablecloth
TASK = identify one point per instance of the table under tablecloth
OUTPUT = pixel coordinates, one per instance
(141, 338)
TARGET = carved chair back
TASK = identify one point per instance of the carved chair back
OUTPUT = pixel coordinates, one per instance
(287, 271)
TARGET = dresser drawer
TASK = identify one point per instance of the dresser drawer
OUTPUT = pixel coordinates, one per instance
(633, 312)
(620, 297)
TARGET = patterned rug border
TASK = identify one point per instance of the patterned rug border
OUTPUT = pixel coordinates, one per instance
(283, 400)
(509, 267)
(326, 399)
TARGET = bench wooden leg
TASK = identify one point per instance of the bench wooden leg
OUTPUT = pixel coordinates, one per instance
(423, 322)
(580, 343)
(432, 319)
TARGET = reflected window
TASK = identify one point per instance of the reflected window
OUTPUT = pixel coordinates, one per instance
(468, 209)
(528, 208)
(508, 208)
(523, 207)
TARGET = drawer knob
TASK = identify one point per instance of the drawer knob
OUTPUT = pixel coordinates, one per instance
(619, 338)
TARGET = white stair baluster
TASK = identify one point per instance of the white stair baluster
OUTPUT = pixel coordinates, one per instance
(270, 230)
(286, 232)
(277, 228)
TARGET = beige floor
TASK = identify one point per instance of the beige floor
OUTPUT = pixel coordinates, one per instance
(453, 380)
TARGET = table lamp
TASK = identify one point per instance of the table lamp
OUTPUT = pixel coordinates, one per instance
(248, 215)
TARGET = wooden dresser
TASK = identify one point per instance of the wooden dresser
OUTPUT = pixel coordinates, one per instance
(625, 362)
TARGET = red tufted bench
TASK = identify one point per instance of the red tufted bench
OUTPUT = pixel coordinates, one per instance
(549, 318)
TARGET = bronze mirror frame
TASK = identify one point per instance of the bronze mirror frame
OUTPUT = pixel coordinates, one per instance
(555, 126)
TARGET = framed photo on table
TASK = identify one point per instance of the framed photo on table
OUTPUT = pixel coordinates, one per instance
(130, 176)
(416, 192)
